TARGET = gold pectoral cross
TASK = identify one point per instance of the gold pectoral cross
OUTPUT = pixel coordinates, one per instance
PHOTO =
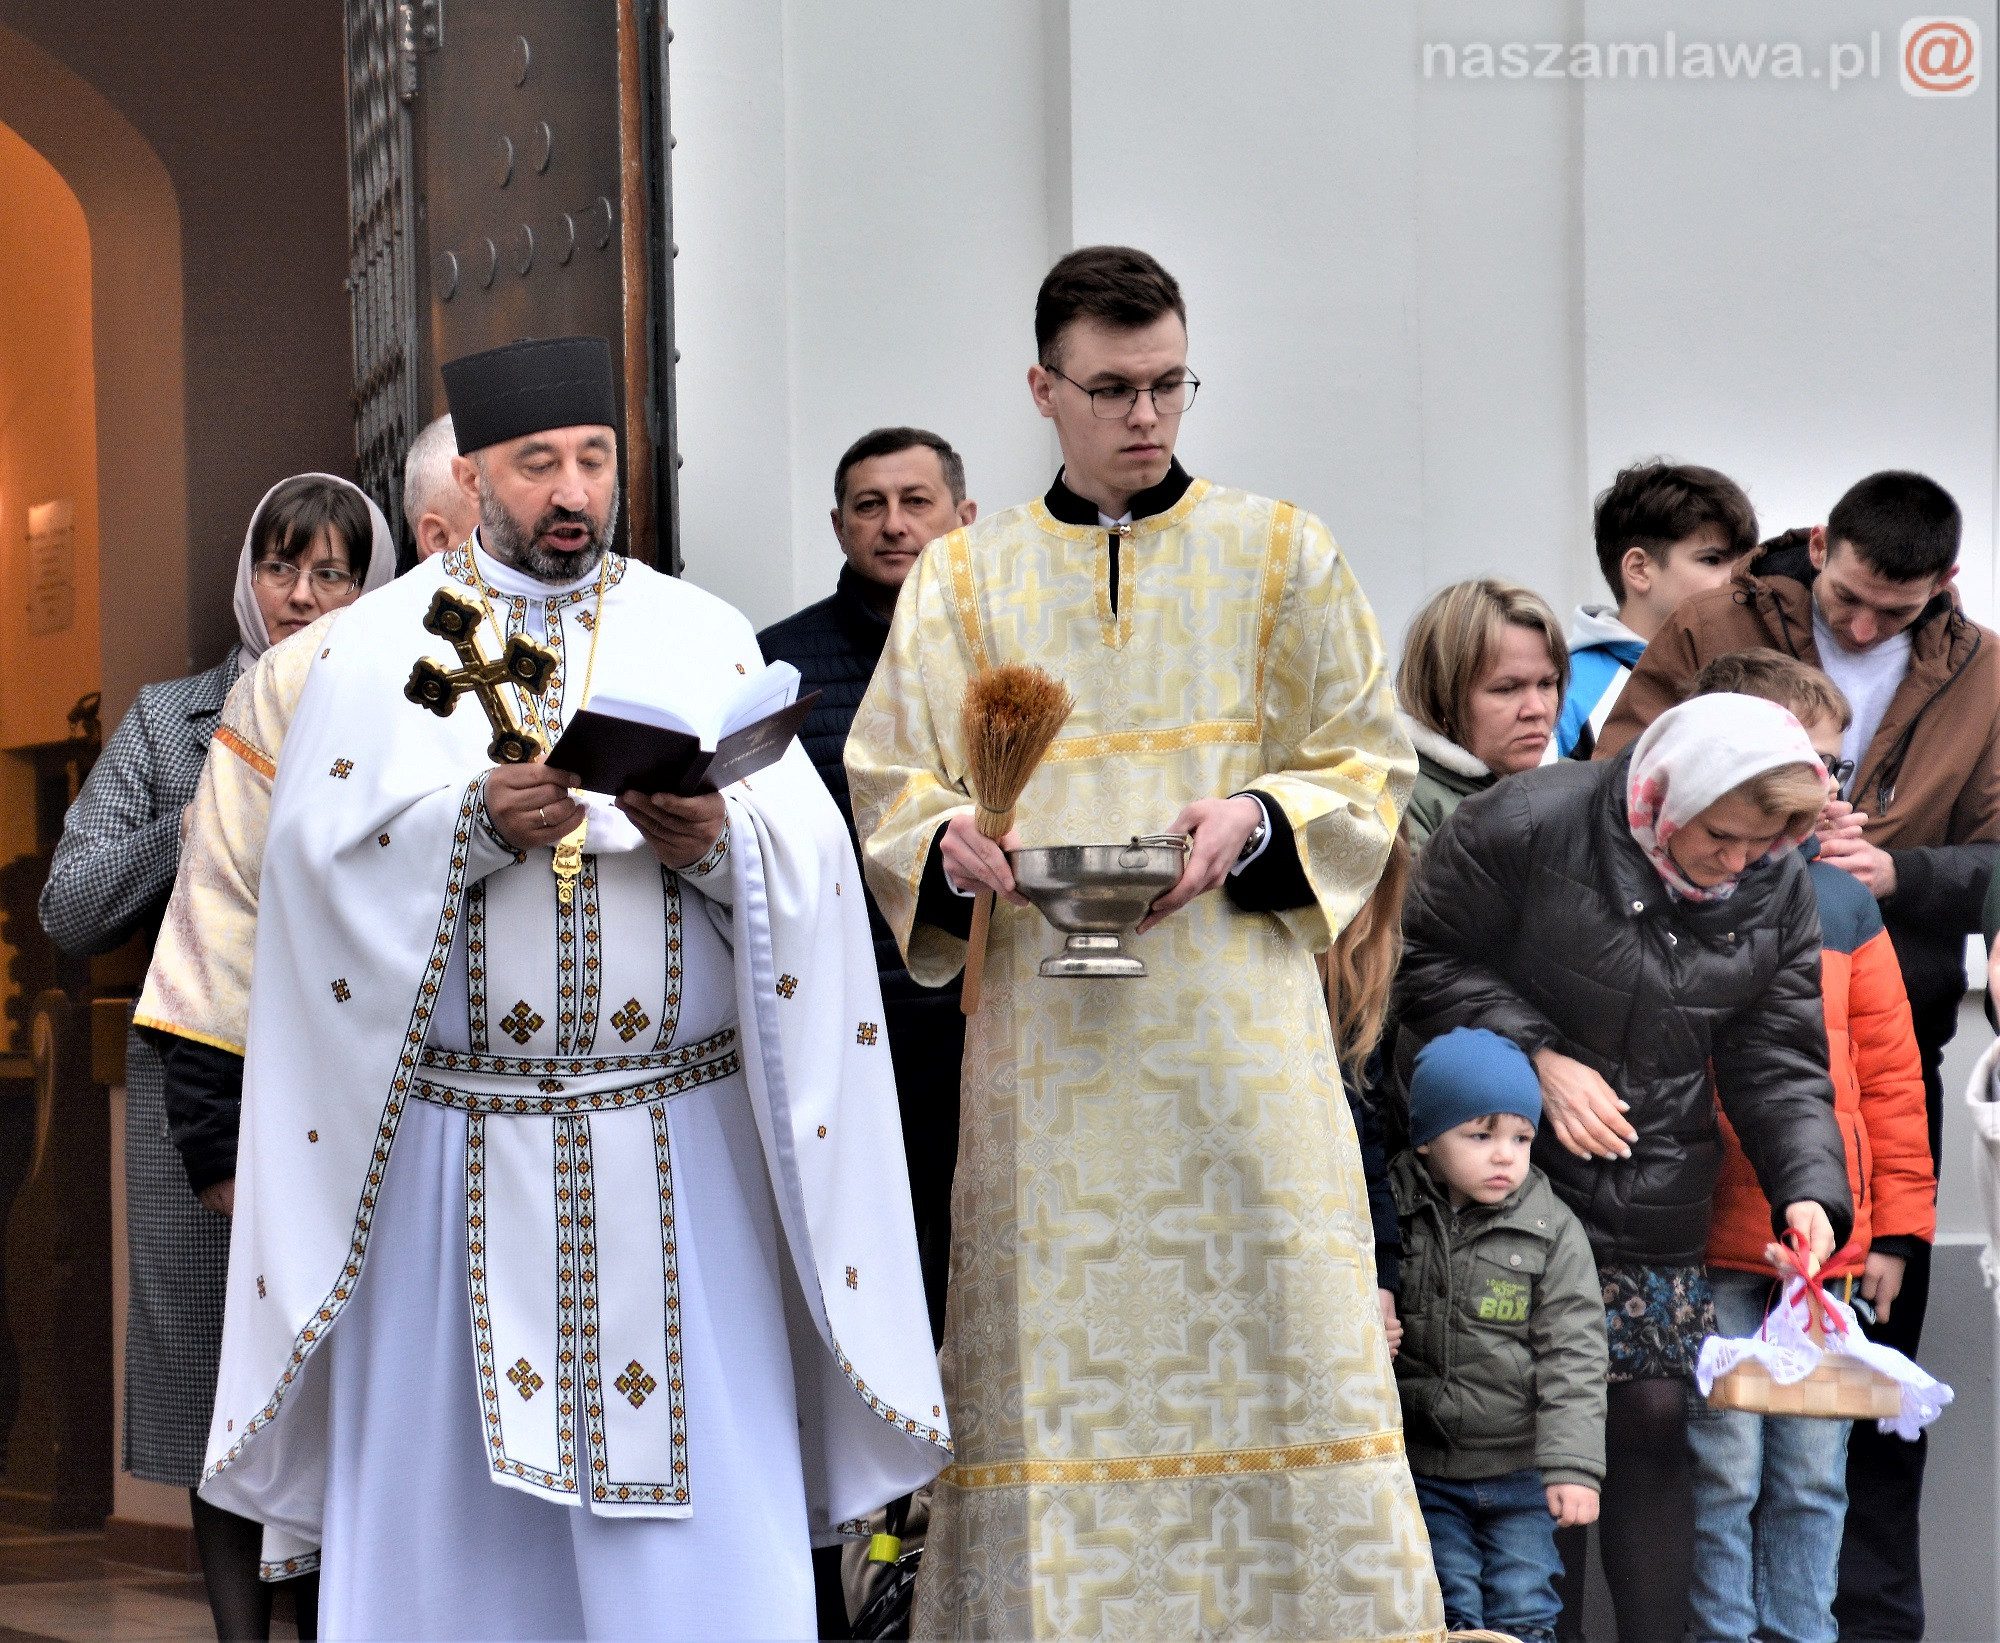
(526, 663)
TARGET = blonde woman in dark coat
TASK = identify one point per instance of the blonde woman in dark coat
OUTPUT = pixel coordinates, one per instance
(1480, 686)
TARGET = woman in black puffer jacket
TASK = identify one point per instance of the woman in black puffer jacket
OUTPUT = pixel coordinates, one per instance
(1645, 930)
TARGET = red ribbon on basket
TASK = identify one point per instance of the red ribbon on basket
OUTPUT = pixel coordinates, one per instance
(1819, 1312)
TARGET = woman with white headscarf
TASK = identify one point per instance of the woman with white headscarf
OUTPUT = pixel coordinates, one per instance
(314, 543)
(1646, 931)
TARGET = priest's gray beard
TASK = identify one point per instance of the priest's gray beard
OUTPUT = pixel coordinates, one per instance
(500, 534)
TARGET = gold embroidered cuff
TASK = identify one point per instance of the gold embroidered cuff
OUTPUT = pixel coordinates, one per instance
(718, 853)
(486, 825)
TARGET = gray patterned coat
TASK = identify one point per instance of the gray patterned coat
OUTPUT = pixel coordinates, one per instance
(112, 872)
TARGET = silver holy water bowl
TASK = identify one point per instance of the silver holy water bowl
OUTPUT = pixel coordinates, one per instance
(1097, 894)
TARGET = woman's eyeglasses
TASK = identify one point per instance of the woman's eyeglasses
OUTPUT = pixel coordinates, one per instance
(282, 574)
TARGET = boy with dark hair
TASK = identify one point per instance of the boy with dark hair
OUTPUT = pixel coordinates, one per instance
(1770, 1491)
(1868, 597)
(1665, 532)
(1503, 1364)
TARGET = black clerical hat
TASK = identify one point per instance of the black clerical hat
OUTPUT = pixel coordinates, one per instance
(527, 387)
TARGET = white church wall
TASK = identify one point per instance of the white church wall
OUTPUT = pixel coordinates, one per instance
(1792, 282)
(1267, 155)
(732, 307)
(917, 233)
(860, 198)
(1439, 310)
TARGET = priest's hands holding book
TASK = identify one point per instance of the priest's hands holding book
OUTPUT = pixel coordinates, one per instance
(531, 806)
(681, 831)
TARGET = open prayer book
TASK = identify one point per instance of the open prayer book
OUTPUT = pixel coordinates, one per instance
(615, 746)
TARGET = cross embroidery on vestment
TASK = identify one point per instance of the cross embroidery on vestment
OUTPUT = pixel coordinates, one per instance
(522, 1022)
(636, 1384)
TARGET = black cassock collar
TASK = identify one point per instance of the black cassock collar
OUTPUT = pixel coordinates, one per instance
(1072, 509)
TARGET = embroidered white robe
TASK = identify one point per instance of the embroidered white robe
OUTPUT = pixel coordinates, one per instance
(402, 953)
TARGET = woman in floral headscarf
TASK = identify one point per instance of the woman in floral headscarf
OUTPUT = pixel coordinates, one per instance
(1645, 930)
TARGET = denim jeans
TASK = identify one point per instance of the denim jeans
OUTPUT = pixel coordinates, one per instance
(1494, 1546)
(1770, 1498)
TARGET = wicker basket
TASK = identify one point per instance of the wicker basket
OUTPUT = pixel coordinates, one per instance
(1838, 1388)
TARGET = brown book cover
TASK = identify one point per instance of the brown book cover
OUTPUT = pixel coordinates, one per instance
(612, 754)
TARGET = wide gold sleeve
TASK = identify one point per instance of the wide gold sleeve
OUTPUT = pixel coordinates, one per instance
(905, 759)
(198, 985)
(1337, 760)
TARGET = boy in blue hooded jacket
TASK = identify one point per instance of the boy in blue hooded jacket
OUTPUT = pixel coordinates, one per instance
(1664, 532)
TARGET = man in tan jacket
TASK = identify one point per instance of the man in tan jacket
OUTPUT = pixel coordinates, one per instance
(1868, 598)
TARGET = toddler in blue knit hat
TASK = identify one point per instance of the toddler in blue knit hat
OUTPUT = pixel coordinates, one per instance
(1503, 1359)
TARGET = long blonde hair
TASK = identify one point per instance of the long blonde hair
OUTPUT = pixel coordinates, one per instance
(1360, 967)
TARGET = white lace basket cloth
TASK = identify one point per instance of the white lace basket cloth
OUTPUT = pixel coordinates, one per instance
(1789, 1353)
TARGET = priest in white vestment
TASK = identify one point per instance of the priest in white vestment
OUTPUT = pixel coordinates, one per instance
(573, 1290)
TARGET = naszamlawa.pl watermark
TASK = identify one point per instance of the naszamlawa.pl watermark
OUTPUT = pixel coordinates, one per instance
(1933, 57)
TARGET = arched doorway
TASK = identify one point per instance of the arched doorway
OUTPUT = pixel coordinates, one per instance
(93, 571)
(134, 225)
(55, 1337)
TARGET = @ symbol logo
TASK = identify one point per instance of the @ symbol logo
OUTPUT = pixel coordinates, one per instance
(1940, 56)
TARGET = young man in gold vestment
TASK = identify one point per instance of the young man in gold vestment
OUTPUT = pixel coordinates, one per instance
(1168, 1380)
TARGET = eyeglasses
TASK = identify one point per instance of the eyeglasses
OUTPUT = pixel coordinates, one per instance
(1115, 403)
(282, 574)
(1839, 771)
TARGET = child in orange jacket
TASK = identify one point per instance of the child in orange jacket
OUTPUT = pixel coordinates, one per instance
(1771, 1491)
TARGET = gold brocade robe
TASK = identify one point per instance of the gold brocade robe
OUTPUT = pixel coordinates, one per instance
(1168, 1381)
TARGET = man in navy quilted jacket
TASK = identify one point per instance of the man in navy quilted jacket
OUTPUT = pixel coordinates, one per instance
(894, 490)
